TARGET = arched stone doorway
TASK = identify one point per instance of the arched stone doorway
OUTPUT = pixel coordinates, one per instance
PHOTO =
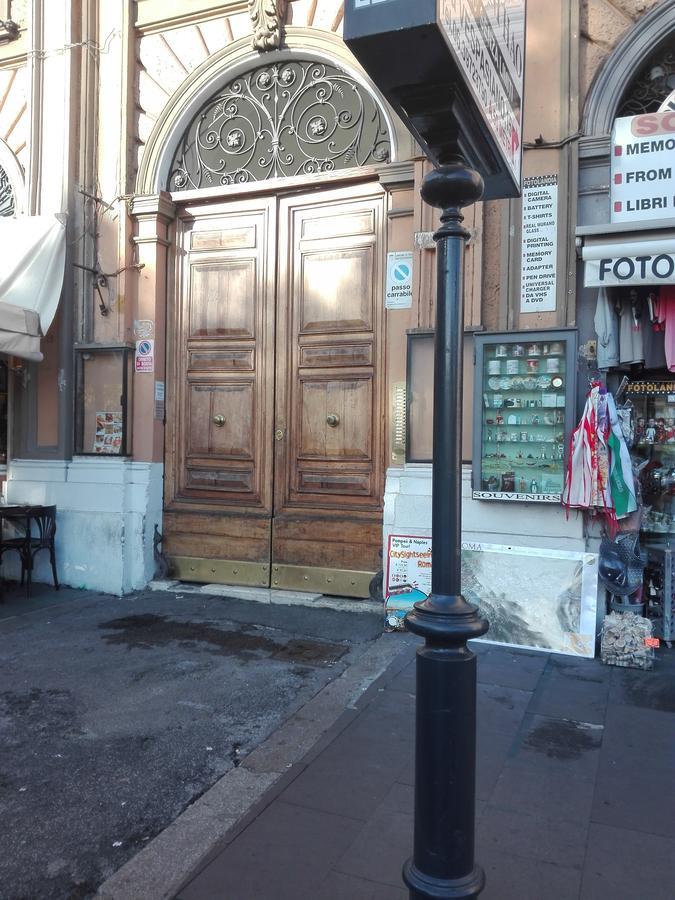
(274, 462)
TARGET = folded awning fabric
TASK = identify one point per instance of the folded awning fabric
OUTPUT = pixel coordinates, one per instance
(33, 254)
(19, 332)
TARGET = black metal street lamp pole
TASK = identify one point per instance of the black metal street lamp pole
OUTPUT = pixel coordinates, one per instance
(442, 865)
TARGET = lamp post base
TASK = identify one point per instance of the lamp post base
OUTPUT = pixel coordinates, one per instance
(422, 887)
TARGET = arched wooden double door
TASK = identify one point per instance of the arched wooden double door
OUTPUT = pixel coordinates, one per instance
(275, 420)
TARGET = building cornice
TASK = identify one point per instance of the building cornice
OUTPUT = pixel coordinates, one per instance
(157, 206)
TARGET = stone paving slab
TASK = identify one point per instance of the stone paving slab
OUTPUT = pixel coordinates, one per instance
(564, 808)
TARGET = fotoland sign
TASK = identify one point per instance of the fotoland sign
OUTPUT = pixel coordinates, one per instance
(453, 71)
(643, 167)
(653, 265)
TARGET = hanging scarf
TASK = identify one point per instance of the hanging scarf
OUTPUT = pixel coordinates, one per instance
(581, 475)
(621, 481)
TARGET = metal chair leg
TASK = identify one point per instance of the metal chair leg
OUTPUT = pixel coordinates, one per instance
(52, 557)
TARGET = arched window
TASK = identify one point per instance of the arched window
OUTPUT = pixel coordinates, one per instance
(284, 119)
(654, 84)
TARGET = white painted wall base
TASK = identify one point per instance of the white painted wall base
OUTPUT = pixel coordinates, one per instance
(407, 510)
(106, 513)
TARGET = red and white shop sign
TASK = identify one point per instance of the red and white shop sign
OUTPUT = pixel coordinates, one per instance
(643, 167)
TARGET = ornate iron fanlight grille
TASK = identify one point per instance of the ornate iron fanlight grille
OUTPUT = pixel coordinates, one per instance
(7, 201)
(654, 83)
(284, 119)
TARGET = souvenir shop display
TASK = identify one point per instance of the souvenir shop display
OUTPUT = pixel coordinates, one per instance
(635, 328)
(653, 449)
(599, 475)
(523, 414)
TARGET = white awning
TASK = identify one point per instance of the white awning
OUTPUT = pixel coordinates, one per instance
(628, 258)
(31, 277)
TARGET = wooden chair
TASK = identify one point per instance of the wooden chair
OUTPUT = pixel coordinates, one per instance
(37, 527)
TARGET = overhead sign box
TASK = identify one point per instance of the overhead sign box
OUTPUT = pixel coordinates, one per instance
(643, 167)
(453, 71)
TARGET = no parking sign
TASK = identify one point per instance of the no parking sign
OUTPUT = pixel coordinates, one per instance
(399, 281)
(145, 356)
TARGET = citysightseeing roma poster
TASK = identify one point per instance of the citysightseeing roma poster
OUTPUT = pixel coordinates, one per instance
(407, 576)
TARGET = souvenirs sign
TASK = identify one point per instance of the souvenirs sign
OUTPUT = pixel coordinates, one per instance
(453, 71)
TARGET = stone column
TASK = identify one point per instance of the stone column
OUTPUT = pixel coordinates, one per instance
(153, 216)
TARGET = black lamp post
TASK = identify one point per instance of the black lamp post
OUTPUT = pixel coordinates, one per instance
(442, 865)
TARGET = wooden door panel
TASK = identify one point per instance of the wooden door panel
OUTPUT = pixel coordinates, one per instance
(206, 404)
(339, 484)
(220, 416)
(216, 537)
(328, 467)
(221, 360)
(322, 401)
(336, 291)
(327, 543)
(347, 223)
(223, 299)
(219, 481)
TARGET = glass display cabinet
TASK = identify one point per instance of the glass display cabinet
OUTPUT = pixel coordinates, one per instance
(103, 375)
(524, 413)
(653, 453)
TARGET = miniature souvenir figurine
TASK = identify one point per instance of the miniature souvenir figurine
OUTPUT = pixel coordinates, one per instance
(522, 486)
(670, 431)
(650, 431)
(660, 430)
(640, 430)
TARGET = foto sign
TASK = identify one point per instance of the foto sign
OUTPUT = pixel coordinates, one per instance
(453, 71)
(643, 167)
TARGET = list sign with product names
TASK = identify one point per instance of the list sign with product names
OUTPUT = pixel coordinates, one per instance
(540, 244)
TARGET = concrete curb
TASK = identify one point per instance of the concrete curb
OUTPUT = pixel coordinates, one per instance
(160, 869)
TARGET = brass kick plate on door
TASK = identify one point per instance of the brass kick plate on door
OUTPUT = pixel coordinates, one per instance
(220, 571)
(340, 582)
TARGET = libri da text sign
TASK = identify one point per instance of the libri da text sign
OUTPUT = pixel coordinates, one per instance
(643, 167)
(453, 71)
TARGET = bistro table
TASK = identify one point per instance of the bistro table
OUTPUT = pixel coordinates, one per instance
(27, 529)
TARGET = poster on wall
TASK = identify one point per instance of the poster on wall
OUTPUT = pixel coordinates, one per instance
(408, 568)
(538, 281)
(533, 598)
(108, 434)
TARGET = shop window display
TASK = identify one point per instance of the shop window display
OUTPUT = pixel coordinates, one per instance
(524, 403)
(103, 411)
(635, 328)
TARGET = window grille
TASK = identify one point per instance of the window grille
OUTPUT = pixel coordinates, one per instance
(283, 119)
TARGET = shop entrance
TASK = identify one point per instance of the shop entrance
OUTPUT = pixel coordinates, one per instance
(274, 416)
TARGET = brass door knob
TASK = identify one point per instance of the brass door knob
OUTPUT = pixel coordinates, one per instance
(332, 420)
(219, 421)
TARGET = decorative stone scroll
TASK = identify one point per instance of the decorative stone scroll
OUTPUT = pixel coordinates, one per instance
(267, 19)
